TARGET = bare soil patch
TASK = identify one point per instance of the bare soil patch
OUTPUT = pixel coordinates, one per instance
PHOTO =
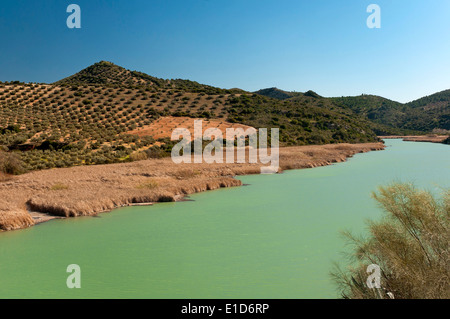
(164, 126)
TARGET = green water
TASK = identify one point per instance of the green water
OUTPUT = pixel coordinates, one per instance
(276, 238)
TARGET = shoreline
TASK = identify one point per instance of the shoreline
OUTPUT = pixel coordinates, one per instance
(39, 196)
(431, 138)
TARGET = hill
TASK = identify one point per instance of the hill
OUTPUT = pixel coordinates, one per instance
(386, 116)
(284, 95)
(91, 117)
(276, 93)
(108, 74)
(425, 114)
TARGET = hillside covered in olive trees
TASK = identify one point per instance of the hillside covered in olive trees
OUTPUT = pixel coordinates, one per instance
(90, 117)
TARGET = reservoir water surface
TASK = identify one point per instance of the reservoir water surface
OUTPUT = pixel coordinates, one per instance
(275, 238)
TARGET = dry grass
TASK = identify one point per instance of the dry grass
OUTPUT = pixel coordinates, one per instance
(150, 184)
(12, 218)
(95, 189)
(5, 177)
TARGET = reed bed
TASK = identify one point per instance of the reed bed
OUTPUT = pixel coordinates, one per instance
(89, 190)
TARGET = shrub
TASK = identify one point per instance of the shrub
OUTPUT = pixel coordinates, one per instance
(410, 245)
(149, 184)
(59, 186)
(157, 152)
(138, 156)
(447, 141)
(10, 163)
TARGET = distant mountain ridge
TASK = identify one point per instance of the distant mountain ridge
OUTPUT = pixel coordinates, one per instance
(276, 93)
(284, 95)
(423, 115)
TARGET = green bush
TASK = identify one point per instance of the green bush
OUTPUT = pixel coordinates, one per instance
(410, 245)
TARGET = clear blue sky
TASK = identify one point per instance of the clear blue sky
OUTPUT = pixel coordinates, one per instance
(322, 45)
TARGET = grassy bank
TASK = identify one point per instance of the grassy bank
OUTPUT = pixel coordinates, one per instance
(89, 190)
